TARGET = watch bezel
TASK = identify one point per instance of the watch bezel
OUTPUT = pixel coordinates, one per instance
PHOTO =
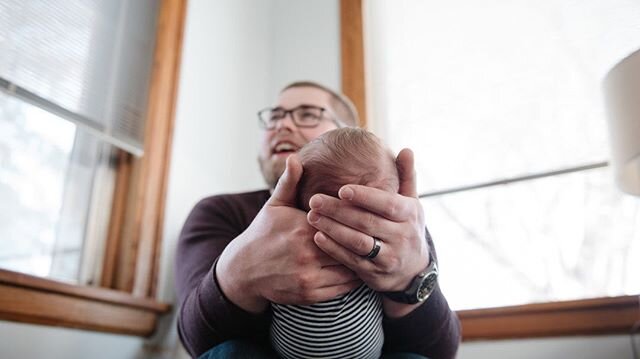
(431, 280)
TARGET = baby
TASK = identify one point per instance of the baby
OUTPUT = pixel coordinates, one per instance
(348, 326)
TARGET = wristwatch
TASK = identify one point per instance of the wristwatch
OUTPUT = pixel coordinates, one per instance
(420, 288)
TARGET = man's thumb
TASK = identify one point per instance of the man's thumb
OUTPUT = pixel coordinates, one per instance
(407, 173)
(285, 192)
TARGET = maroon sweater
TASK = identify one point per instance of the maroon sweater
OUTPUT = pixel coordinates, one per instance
(207, 318)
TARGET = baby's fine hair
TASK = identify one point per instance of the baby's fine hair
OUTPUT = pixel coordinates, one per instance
(344, 156)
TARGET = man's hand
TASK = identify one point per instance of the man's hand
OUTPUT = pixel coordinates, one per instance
(276, 260)
(347, 226)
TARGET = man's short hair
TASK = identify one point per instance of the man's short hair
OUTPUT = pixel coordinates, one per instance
(341, 105)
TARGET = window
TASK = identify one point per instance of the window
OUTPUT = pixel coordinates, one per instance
(86, 110)
(501, 104)
(75, 78)
(563, 237)
(47, 173)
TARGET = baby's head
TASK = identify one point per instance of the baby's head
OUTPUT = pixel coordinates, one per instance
(345, 156)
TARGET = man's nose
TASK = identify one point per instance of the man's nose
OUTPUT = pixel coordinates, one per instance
(286, 123)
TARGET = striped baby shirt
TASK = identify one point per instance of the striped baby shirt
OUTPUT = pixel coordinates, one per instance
(348, 326)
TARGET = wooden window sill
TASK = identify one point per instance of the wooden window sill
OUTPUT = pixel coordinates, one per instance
(35, 300)
(578, 317)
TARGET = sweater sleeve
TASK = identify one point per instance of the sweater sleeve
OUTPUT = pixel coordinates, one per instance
(206, 317)
(432, 329)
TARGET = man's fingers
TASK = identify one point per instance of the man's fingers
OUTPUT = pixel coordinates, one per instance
(356, 234)
(407, 173)
(324, 260)
(388, 205)
(316, 295)
(353, 261)
(335, 275)
(285, 192)
(326, 293)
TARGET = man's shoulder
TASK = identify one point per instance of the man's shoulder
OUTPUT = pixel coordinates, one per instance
(239, 197)
(252, 199)
(237, 209)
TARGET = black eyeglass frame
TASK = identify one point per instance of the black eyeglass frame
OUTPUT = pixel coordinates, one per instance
(263, 122)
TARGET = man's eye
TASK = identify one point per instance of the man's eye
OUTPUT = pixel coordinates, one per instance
(276, 115)
(309, 115)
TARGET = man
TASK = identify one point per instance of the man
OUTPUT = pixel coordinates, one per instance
(237, 253)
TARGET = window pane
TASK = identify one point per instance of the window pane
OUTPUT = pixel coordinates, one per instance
(92, 58)
(557, 238)
(487, 90)
(47, 176)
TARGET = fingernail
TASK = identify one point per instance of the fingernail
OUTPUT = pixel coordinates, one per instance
(313, 217)
(346, 193)
(319, 237)
(315, 202)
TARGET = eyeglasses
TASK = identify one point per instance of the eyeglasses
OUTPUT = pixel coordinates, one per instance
(305, 116)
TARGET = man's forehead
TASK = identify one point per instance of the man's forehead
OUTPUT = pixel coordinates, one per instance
(296, 96)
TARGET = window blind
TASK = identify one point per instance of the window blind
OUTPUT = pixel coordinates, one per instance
(88, 62)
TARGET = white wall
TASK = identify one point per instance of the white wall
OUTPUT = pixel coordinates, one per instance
(237, 54)
(223, 82)
(35, 341)
(305, 43)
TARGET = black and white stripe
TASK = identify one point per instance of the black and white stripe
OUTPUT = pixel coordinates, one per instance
(349, 326)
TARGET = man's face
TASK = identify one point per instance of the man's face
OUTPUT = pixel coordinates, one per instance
(286, 138)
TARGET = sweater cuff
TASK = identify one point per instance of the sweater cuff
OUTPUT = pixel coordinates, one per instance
(432, 329)
(219, 309)
(423, 314)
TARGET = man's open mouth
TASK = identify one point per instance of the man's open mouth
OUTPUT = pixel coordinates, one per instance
(284, 148)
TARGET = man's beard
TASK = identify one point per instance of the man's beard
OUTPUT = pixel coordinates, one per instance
(271, 171)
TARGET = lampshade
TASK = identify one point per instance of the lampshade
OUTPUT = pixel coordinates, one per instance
(622, 95)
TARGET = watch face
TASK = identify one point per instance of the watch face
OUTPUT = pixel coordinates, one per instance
(426, 287)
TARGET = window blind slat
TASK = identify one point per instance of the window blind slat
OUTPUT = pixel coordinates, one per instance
(88, 61)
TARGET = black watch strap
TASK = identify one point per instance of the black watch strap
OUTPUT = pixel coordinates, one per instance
(401, 297)
(420, 287)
